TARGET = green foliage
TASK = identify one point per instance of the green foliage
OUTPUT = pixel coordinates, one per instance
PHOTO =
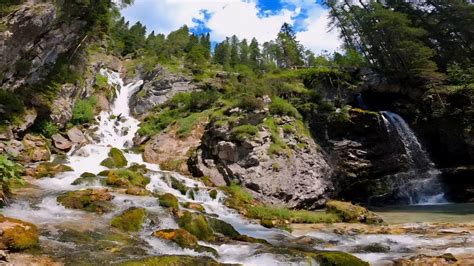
(178, 185)
(250, 103)
(244, 132)
(101, 81)
(280, 106)
(9, 171)
(459, 75)
(47, 128)
(84, 111)
(11, 105)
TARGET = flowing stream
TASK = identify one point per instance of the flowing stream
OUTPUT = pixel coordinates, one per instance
(420, 184)
(78, 237)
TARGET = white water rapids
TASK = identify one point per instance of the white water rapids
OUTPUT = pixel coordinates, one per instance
(117, 129)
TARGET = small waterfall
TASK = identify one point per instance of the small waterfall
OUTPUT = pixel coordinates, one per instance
(420, 184)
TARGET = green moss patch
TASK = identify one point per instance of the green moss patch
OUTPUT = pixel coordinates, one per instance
(197, 225)
(116, 159)
(91, 200)
(172, 260)
(352, 213)
(18, 235)
(183, 239)
(130, 220)
(168, 200)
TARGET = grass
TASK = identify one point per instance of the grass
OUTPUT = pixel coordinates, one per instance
(278, 146)
(242, 200)
(84, 111)
(244, 132)
(280, 106)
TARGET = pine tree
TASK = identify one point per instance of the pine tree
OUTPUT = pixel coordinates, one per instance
(234, 51)
(254, 54)
(291, 50)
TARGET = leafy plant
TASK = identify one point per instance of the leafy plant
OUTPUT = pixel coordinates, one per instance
(9, 170)
(83, 111)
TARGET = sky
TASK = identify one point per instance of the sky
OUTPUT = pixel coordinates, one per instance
(261, 19)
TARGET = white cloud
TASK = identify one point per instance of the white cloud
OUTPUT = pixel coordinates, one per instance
(316, 37)
(228, 17)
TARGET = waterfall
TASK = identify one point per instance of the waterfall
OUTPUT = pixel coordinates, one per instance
(420, 184)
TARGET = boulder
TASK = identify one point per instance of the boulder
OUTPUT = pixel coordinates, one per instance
(130, 220)
(116, 159)
(35, 149)
(91, 200)
(48, 169)
(351, 213)
(197, 225)
(76, 135)
(183, 239)
(27, 120)
(61, 142)
(61, 109)
(168, 200)
(17, 235)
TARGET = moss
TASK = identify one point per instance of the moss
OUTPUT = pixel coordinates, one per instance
(197, 225)
(183, 239)
(116, 159)
(268, 223)
(207, 181)
(213, 194)
(280, 106)
(335, 258)
(172, 260)
(168, 200)
(18, 235)
(271, 213)
(178, 185)
(244, 132)
(194, 206)
(130, 220)
(91, 200)
(222, 227)
(352, 213)
(88, 179)
(125, 178)
(50, 169)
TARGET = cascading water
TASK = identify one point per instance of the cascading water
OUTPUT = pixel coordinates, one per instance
(420, 184)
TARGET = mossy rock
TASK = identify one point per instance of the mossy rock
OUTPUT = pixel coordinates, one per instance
(50, 169)
(194, 206)
(372, 248)
(137, 191)
(249, 239)
(173, 260)
(91, 200)
(18, 235)
(88, 179)
(125, 178)
(130, 220)
(213, 194)
(183, 239)
(116, 159)
(336, 258)
(168, 200)
(351, 213)
(268, 223)
(178, 185)
(197, 225)
(221, 227)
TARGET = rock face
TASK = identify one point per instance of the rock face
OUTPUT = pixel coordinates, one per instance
(296, 178)
(32, 149)
(360, 152)
(33, 40)
(159, 87)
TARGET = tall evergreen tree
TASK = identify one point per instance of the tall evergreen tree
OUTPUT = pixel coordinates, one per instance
(234, 51)
(291, 50)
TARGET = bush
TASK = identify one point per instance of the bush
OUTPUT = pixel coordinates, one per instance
(244, 131)
(11, 105)
(47, 128)
(101, 81)
(281, 107)
(250, 103)
(83, 111)
(9, 171)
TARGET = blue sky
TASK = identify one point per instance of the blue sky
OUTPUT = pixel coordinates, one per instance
(245, 18)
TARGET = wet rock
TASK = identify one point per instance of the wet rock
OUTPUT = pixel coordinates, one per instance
(352, 213)
(61, 142)
(130, 220)
(18, 235)
(116, 159)
(125, 178)
(48, 169)
(168, 200)
(446, 259)
(27, 120)
(194, 206)
(91, 200)
(197, 225)
(76, 135)
(221, 227)
(213, 194)
(159, 87)
(88, 179)
(34, 149)
(183, 239)
(173, 260)
(372, 248)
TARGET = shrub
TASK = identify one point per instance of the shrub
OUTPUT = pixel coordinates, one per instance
(9, 171)
(11, 105)
(244, 131)
(250, 103)
(281, 107)
(83, 111)
(101, 81)
(47, 128)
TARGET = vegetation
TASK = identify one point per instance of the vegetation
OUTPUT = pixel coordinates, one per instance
(18, 235)
(116, 159)
(91, 200)
(10, 173)
(84, 111)
(168, 200)
(197, 225)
